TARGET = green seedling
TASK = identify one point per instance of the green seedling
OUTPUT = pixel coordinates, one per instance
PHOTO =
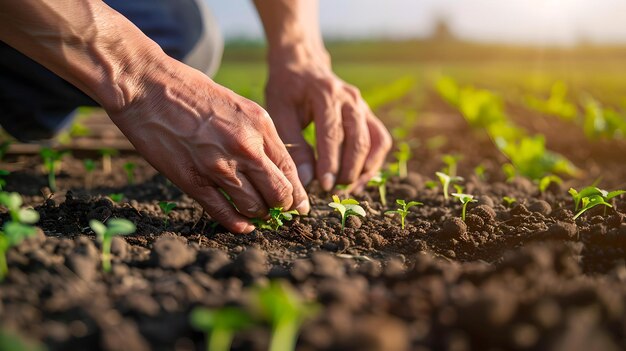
(509, 172)
(276, 220)
(285, 311)
(545, 182)
(3, 181)
(403, 209)
(16, 229)
(129, 168)
(430, 184)
(451, 162)
(116, 197)
(220, 325)
(592, 191)
(403, 155)
(90, 167)
(465, 199)
(446, 180)
(52, 161)
(107, 154)
(480, 172)
(508, 200)
(380, 181)
(105, 233)
(346, 208)
(458, 188)
(166, 208)
(589, 202)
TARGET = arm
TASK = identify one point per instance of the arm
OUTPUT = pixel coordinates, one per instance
(351, 142)
(200, 135)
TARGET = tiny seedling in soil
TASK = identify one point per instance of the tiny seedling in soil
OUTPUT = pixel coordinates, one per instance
(451, 162)
(430, 184)
(509, 172)
(465, 199)
(3, 174)
(592, 191)
(458, 188)
(285, 311)
(166, 208)
(589, 202)
(380, 181)
(346, 208)
(545, 182)
(220, 325)
(116, 197)
(403, 155)
(107, 153)
(16, 229)
(446, 180)
(508, 200)
(129, 168)
(115, 226)
(51, 161)
(276, 220)
(481, 172)
(90, 167)
(403, 209)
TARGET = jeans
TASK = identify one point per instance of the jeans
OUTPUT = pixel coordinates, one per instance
(35, 104)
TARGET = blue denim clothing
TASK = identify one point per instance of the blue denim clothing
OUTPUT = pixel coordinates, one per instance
(36, 104)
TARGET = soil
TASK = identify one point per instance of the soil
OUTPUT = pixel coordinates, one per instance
(519, 277)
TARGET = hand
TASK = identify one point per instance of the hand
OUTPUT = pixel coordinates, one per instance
(204, 138)
(351, 141)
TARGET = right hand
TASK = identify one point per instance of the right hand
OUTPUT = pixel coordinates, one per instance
(204, 137)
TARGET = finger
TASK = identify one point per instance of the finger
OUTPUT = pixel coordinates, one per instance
(246, 198)
(329, 136)
(218, 207)
(380, 144)
(289, 129)
(356, 143)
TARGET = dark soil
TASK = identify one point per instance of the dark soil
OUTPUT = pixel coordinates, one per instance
(525, 277)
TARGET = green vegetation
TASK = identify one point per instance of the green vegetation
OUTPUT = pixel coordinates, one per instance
(220, 325)
(276, 220)
(3, 182)
(445, 181)
(380, 181)
(52, 161)
(116, 197)
(591, 201)
(592, 192)
(107, 154)
(403, 155)
(4, 148)
(465, 199)
(90, 167)
(129, 168)
(545, 182)
(403, 209)
(115, 226)
(557, 104)
(508, 200)
(17, 228)
(166, 208)
(451, 162)
(346, 208)
(480, 172)
(10, 341)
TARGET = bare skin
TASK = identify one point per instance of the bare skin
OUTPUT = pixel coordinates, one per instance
(200, 135)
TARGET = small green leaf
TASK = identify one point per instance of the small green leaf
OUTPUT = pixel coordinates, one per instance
(121, 226)
(28, 216)
(97, 227)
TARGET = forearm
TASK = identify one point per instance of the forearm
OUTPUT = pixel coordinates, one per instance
(85, 42)
(292, 30)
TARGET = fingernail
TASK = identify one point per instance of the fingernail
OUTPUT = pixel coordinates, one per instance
(327, 181)
(304, 207)
(249, 228)
(305, 173)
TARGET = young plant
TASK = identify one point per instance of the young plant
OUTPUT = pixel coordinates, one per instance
(403, 209)
(276, 220)
(590, 191)
(3, 174)
(465, 199)
(116, 197)
(129, 168)
(451, 162)
(90, 167)
(430, 184)
(446, 180)
(589, 202)
(481, 172)
(346, 208)
(380, 181)
(51, 160)
(403, 155)
(285, 311)
(545, 182)
(220, 325)
(107, 153)
(508, 200)
(105, 233)
(166, 208)
(16, 229)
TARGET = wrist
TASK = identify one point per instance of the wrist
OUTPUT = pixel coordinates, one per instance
(298, 54)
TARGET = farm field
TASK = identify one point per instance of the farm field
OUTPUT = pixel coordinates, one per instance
(514, 261)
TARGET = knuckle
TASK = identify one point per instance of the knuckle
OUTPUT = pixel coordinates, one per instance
(282, 195)
(362, 143)
(353, 92)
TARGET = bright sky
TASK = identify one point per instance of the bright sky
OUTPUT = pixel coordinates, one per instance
(521, 21)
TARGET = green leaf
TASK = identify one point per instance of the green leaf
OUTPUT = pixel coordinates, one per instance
(11, 200)
(614, 193)
(120, 226)
(349, 202)
(356, 209)
(16, 232)
(229, 318)
(413, 203)
(28, 216)
(97, 227)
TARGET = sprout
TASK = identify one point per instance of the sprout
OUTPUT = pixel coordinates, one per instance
(115, 226)
(107, 153)
(403, 209)
(220, 325)
(451, 162)
(51, 160)
(465, 199)
(446, 180)
(346, 208)
(591, 191)
(285, 311)
(116, 197)
(480, 172)
(90, 166)
(508, 200)
(589, 202)
(403, 155)
(545, 182)
(430, 184)
(276, 220)
(3, 182)
(509, 171)
(380, 180)
(17, 229)
(166, 208)
(129, 168)
(458, 188)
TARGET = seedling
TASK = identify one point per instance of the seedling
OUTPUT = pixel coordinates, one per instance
(430, 184)
(509, 172)
(403, 155)
(458, 188)
(451, 162)
(115, 226)
(545, 182)
(589, 202)
(90, 166)
(465, 199)
(590, 191)
(116, 197)
(51, 160)
(166, 208)
(107, 153)
(129, 168)
(17, 229)
(346, 208)
(3, 174)
(285, 311)
(403, 209)
(446, 180)
(380, 181)
(508, 200)
(276, 220)
(220, 325)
